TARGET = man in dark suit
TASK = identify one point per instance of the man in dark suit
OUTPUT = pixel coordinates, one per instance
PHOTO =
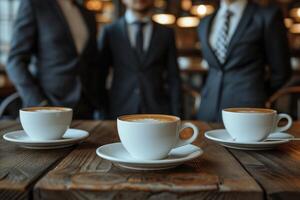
(143, 57)
(61, 35)
(238, 42)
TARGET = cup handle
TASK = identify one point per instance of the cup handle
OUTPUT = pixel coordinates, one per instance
(191, 139)
(287, 126)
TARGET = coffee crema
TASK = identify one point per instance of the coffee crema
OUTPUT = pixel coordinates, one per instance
(149, 118)
(46, 109)
(249, 110)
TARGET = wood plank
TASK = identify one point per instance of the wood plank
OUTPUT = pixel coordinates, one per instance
(83, 175)
(277, 171)
(20, 168)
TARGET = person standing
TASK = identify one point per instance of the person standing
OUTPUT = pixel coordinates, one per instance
(143, 57)
(61, 35)
(241, 42)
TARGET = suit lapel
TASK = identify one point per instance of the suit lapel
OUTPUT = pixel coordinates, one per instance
(212, 58)
(130, 49)
(64, 22)
(243, 24)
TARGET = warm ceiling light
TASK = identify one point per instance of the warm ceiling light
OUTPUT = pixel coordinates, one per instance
(160, 3)
(202, 10)
(188, 22)
(186, 4)
(295, 12)
(298, 12)
(108, 7)
(166, 19)
(103, 18)
(94, 5)
(295, 28)
(288, 22)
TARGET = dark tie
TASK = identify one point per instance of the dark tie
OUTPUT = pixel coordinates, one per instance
(139, 45)
(222, 39)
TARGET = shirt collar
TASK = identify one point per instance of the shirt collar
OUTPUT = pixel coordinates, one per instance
(236, 7)
(131, 18)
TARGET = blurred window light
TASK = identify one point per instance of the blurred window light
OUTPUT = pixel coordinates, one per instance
(165, 19)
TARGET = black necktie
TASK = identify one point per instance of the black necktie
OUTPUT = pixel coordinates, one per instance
(139, 45)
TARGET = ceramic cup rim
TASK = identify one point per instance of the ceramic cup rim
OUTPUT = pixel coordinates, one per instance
(233, 110)
(124, 119)
(32, 109)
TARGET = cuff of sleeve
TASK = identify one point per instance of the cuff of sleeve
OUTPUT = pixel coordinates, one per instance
(43, 103)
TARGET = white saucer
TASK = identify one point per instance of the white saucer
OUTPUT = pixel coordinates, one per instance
(222, 137)
(117, 154)
(71, 137)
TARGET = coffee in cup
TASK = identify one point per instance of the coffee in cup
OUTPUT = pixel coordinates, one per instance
(45, 123)
(152, 136)
(253, 124)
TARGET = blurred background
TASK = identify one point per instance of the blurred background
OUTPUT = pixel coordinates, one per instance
(183, 15)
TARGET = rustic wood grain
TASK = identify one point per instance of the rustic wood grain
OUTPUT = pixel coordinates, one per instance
(83, 175)
(20, 168)
(277, 171)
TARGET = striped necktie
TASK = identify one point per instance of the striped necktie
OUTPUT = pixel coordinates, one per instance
(222, 39)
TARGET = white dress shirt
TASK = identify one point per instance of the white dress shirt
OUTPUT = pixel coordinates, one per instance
(132, 28)
(237, 8)
(76, 24)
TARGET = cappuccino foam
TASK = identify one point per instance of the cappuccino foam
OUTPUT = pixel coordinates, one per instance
(249, 110)
(48, 111)
(147, 120)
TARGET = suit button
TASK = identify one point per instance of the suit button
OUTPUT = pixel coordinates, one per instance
(137, 91)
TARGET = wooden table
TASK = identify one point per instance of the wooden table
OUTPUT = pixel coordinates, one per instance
(78, 173)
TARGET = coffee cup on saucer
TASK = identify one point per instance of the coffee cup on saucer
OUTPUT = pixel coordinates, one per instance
(253, 124)
(45, 123)
(152, 136)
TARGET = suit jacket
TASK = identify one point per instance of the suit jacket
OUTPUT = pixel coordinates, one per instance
(62, 76)
(259, 41)
(150, 84)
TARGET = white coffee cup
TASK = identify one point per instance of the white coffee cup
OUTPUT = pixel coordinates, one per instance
(253, 124)
(152, 136)
(45, 123)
